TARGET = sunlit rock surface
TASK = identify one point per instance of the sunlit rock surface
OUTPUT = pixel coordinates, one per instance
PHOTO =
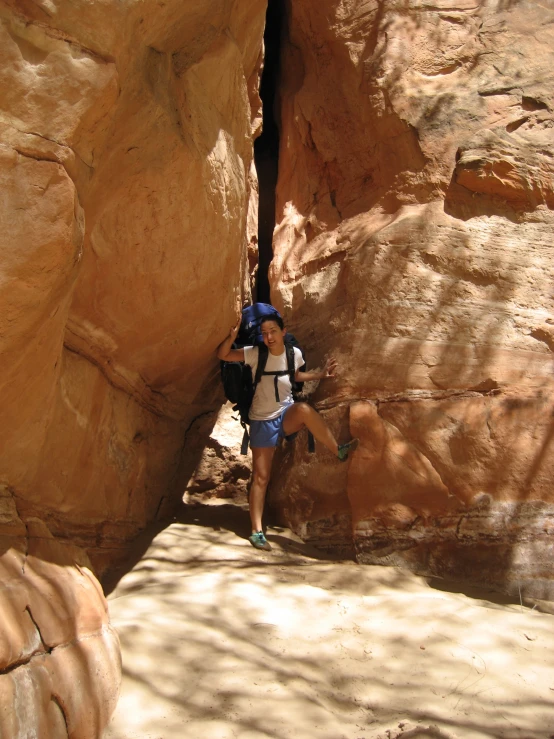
(127, 203)
(414, 244)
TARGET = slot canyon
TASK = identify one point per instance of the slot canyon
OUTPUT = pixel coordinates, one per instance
(392, 197)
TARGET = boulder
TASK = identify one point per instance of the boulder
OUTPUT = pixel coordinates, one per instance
(60, 659)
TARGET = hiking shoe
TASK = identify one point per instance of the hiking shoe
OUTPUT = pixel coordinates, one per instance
(345, 449)
(258, 541)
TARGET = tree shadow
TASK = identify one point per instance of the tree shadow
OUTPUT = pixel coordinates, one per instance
(211, 636)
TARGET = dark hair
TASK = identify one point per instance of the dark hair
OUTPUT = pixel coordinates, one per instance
(276, 319)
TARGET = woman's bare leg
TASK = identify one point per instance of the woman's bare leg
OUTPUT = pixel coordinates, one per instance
(302, 414)
(261, 469)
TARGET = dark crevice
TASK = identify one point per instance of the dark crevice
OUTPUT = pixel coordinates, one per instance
(44, 649)
(37, 627)
(160, 507)
(411, 397)
(266, 147)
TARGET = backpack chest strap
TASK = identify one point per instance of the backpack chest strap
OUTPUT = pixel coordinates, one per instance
(262, 361)
(276, 375)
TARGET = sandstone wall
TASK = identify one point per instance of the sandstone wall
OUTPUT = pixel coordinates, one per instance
(413, 243)
(125, 177)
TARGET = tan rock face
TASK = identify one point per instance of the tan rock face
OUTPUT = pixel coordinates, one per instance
(413, 243)
(125, 178)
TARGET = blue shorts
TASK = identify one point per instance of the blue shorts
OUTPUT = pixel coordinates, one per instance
(267, 433)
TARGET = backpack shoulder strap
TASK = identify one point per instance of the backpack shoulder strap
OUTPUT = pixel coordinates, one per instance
(291, 369)
(263, 351)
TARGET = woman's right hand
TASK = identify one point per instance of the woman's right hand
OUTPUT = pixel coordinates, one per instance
(234, 331)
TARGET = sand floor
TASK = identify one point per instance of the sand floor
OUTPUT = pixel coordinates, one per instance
(221, 641)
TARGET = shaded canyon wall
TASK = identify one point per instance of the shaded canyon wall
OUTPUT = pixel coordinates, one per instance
(414, 243)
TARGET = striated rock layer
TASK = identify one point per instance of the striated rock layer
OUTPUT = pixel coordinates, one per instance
(413, 243)
(126, 210)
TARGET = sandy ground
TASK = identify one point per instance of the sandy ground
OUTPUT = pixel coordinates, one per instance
(220, 641)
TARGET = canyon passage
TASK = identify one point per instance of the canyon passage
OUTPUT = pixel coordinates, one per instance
(392, 196)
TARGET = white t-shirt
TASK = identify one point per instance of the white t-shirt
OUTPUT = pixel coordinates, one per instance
(265, 405)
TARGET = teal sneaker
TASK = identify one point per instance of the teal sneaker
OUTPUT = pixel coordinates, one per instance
(345, 449)
(258, 541)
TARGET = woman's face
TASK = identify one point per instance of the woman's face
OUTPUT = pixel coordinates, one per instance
(273, 336)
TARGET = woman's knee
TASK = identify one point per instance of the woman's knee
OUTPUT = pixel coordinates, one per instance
(260, 477)
(303, 410)
(296, 418)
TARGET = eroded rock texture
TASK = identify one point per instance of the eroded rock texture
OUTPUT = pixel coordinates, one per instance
(414, 243)
(125, 212)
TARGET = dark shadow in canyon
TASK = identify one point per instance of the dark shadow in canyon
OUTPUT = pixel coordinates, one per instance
(266, 146)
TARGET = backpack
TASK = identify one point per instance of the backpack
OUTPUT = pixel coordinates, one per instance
(238, 383)
(250, 332)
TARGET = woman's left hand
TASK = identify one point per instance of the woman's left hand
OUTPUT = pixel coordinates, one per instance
(330, 368)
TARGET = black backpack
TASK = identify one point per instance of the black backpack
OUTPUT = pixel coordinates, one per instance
(238, 383)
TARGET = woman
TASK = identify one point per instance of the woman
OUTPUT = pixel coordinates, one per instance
(274, 414)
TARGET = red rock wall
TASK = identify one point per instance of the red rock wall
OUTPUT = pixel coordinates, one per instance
(415, 203)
